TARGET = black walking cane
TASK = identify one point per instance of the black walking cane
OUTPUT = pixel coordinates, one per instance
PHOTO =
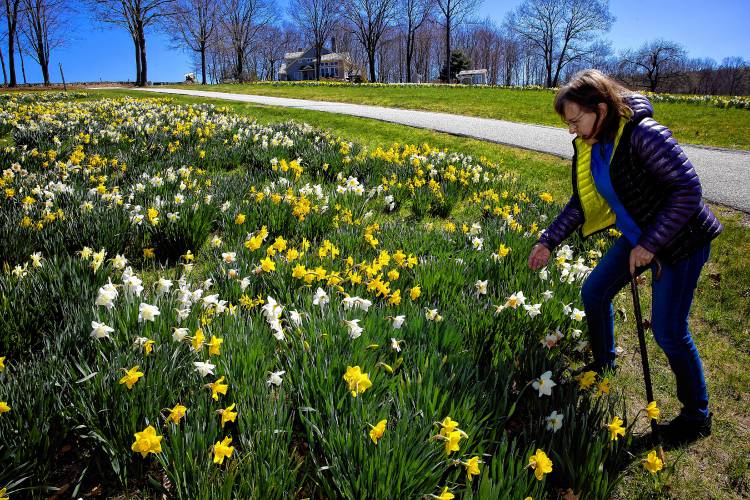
(644, 354)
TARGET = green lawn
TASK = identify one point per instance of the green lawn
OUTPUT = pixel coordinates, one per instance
(691, 123)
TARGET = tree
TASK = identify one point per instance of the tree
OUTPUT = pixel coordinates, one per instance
(191, 24)
(370, 19)
(655, 62)
(413, 13)
(561, 31)
(455, 64)
(136, 16)
(10, 12)
(241, 21)
(454, 13)
(43, 25)
(318, 19)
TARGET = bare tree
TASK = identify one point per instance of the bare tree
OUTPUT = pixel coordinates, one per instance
(413, 15)
(734, 76)
(273, 43)
(191, 25)
(318, 19)
(655, 62)
(370, 20)
(560, 30)
(453, 14)
(137, 16)
(241, 21)
(44, 25)
(10, 12)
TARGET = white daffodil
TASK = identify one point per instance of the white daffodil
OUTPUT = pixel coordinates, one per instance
(554, 421)
(544, 384)
(577, 315)
(295, 318)
(432, 315)
(320, 298)
(147, 312)
(481, 287)
(354, 329)
(229, 257)
(477, 243)
(182, 314)
(499, 308)
(271, 309)
(515, 300)
(204, 368)
(163, 286)
(274, 378)
(548, 294)
(119, 262)
(107, 296)
(396, 344)
(244, 283)
(398, 321)
(575, 333)
(567, 309)
(100, 330)
(533, 310)
(544, 274)
(215, 241)
(179, 334)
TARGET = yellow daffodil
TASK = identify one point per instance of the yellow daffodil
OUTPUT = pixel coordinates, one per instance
(472, 468)
(451, 441)
(540, 463)
(4, 494)
(131, 377)
(267, 265)
(586, 379)
(214, 346)
(357, 381)
(4, 408)
(222, 450)
(2, 363)
(147, 442)
(377, 431)
(653, 411)
(602, 387)
(149, 253)
(217, 388)
(415, 292)
(653, 463)
(616, 429)
(444, 495)
(227, 415)
(176, 413)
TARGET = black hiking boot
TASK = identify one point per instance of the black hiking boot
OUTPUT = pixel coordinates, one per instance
(682, 430)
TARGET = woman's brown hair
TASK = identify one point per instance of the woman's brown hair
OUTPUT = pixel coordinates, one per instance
(587, 89)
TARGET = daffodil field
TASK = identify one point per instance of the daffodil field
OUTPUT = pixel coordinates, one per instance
(197, 305)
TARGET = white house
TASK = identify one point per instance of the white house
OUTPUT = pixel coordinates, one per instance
(301, 65)
(473, 77)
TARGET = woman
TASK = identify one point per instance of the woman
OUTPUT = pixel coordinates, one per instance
(628, 171)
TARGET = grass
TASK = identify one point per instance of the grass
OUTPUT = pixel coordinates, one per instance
(716, 467)
(693, 124)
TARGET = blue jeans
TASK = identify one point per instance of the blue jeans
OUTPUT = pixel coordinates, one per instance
(672, 295)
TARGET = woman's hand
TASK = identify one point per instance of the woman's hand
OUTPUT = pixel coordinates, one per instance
(539, 256)
(639, 257)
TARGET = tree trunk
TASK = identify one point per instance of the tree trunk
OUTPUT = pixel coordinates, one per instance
(203, 63)
(144, 67)
(11, 59)
(448, 47)
(371, 63)
(137, 61)
(20, 56)
(409, 55)
(5, 74)
(45, 71)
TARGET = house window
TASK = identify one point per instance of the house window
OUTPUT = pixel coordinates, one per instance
(298, 75)
(336, 72)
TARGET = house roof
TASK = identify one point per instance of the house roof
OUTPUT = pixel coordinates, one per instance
(290, 57)
(470, 72)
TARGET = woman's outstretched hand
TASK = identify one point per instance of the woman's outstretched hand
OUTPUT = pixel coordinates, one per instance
(539, 256)
(639, 257)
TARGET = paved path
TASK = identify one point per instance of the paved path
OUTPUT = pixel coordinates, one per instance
(724, 173)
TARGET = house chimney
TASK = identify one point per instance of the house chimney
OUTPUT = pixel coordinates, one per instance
(333, 44)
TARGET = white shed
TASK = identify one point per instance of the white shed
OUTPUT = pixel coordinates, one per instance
(472, 77)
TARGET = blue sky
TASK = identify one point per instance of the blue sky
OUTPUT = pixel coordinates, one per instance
(715, 30)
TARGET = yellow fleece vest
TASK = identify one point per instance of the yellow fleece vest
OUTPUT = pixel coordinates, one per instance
(597, 214)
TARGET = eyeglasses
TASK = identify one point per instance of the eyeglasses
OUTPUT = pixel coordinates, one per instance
(574, 121)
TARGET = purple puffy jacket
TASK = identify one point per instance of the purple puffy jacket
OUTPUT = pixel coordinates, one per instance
(656, 184)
